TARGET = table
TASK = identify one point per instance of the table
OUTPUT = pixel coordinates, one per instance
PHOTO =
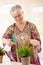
(12, 63)
(6, 61)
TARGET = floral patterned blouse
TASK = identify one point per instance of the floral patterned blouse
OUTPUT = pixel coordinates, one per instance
(30, 32)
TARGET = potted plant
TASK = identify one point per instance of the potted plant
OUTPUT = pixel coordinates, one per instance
(2, 52)
(24, 53)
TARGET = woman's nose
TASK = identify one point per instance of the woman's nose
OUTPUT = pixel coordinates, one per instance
(18, 18)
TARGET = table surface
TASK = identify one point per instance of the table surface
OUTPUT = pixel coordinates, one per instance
(6, 61)
(12, 63)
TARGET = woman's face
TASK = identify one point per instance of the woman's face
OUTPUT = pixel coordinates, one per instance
(18, 15)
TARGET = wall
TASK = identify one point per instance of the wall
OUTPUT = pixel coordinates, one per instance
(28, 7)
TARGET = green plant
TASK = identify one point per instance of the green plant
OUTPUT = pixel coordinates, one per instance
(25, 51)
(2, 52)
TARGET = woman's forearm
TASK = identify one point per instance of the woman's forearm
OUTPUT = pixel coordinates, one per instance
(7, 42)
(35, 44)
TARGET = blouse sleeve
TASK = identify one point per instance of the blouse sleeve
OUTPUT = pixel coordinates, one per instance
(8, 32)
(35, 34)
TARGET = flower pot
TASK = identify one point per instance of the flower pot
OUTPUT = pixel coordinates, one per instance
(1, 58)
(25, 60)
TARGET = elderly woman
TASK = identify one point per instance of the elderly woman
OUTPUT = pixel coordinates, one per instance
(24, 32)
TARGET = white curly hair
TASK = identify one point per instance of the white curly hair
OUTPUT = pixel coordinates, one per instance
(16, 7)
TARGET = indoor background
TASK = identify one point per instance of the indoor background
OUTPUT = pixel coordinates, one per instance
(33, 12)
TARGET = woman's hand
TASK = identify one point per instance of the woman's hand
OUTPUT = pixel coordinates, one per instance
(26, 41)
